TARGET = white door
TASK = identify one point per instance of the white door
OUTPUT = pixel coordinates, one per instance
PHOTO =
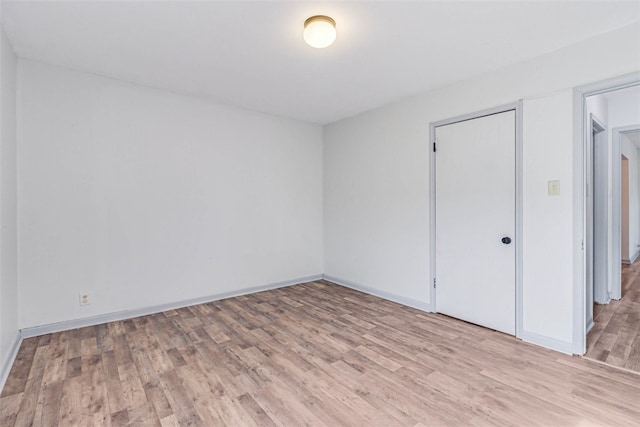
(475, 221)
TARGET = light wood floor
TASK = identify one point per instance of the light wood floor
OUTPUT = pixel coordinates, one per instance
(313, 354)
(615, 336)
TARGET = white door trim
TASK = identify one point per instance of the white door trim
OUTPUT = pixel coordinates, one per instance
(517, 107)
(581, 127)
(601, 223)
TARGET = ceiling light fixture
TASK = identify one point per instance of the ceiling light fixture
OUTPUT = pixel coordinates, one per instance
(319, 31)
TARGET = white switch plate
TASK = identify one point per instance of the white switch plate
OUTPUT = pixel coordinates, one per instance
(554, 188)
(84, 299)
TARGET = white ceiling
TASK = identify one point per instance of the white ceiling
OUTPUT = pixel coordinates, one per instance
(251, 54)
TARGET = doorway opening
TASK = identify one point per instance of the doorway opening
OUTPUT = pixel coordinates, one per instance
(612, 226)
(624, 209)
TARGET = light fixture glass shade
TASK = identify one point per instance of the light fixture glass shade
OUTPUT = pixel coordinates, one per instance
(319, 31)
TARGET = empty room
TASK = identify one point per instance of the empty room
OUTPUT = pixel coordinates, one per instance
(306, 213)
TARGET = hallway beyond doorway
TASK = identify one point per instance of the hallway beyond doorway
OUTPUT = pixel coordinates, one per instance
(615, 336)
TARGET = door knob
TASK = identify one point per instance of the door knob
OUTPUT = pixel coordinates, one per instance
(506, 240)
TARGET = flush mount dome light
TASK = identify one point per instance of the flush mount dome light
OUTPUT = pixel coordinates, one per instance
(319, 31)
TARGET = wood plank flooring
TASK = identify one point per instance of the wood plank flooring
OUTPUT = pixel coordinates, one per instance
(315, 354)
(615, 336)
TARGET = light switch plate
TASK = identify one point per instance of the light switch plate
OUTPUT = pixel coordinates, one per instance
(554, 188)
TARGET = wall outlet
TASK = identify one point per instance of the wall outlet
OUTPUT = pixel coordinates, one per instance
(84, 299)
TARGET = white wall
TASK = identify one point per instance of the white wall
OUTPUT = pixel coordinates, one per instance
(375, 201)
(8, 226)
(141, 197)
(624, 107)
(599, 107)
(376, 175)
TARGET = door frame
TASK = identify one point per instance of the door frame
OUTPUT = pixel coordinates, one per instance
(517, 107)
(600, 290)
(616, 200)
(593, 163)
(581, 128)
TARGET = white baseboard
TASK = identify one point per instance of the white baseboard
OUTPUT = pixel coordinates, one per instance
(5, 365)
(385, 295)
(633, 259)
(533, 338)
(530, 337)
(547, 342)
(128, 314)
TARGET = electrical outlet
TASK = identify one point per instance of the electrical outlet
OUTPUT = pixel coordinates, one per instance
(84, 299)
